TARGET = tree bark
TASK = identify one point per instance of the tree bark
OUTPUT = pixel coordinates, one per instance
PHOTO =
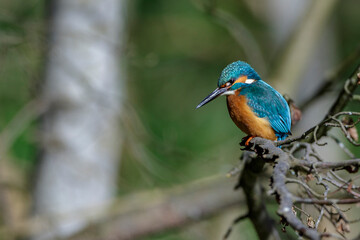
(83, 88)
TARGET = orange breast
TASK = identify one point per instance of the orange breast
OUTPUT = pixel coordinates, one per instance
(246, 120)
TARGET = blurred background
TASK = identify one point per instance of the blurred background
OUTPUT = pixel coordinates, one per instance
(97, 100)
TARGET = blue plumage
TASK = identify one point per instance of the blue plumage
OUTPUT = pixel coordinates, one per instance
(267, 103)
(235, 69)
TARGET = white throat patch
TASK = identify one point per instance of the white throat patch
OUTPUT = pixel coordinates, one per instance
(230, 92)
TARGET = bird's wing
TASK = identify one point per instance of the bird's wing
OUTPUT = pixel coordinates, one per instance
(266, 102)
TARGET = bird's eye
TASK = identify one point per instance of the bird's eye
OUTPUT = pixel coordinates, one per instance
(230, 82)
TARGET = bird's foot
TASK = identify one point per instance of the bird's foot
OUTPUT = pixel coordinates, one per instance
(246, 140)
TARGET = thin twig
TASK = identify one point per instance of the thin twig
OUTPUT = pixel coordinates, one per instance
(235, 221)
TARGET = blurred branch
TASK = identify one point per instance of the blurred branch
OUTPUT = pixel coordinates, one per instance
(145, 213)
(297, 53)
(13, 204)
(19, 123)
(12, 200)
(238, 31)
(191, 204)
(237, 220)
(332, 78)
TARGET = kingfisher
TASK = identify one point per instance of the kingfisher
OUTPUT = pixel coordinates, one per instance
(254, 106)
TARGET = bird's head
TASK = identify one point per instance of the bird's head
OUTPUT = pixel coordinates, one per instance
(236, 75)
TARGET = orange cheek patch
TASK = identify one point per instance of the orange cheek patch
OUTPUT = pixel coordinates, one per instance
(241, 79)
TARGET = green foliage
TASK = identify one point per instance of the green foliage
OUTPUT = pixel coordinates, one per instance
(21, 25)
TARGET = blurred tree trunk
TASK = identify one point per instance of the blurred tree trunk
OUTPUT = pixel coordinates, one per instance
(83, 88)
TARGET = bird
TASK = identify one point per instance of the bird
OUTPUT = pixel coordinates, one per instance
(254, 106)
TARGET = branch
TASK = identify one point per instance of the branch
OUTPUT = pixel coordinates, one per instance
(248, 181)
(344, 97)
(326, 202)
(313, 132)
(354, 163)
(267, 150)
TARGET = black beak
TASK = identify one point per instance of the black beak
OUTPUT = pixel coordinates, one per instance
(217, 92)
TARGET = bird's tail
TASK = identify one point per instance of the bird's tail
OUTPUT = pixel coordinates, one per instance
(281, 137)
